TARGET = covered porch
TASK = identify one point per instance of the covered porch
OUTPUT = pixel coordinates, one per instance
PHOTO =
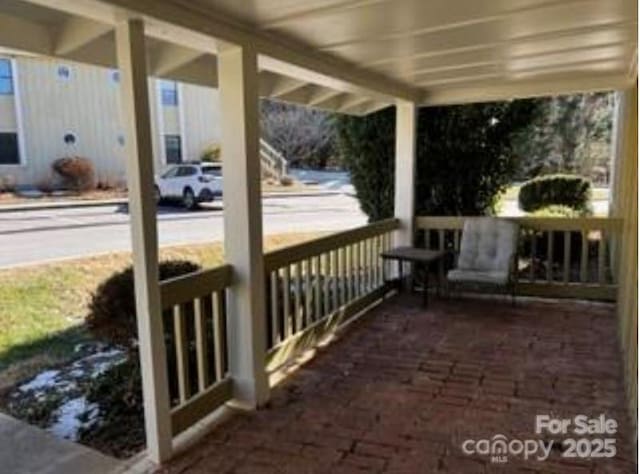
(407, 386)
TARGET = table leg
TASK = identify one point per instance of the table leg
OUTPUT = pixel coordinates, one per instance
(400, 276)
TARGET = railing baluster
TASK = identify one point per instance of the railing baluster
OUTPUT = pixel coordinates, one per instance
(341, 277)
(567, 257)
(584, 257)
(182, 353)
(532, 269)
(275, 307)
(308, 292)
(550, 256)
(219, 335)
(440, 260)
(356, 266)
(602, 253)
(317, 282)
(327, 281)
(334, 279)
(349, 276)
(297, 304)
(286, 300)
(202, 345)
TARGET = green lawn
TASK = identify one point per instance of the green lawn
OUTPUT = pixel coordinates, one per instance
(42, 307)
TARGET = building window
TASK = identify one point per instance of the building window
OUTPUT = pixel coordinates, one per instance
(169, 91)
(6, 81)
(64, 72)
(114, 75)
(173, 148)
(9, 154)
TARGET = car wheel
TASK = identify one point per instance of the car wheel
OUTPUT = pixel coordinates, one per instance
(158, 195)
(189, 199)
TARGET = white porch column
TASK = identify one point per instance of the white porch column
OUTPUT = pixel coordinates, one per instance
(132, 61)
(238, 83)
(406, 124)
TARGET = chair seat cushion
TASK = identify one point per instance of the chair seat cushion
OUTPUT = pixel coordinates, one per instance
(495, 277)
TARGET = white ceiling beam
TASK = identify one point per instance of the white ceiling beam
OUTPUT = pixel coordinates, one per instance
(373, 108)
(351, 102)
(322, 94)
(167, 57)
(283, 85)
(20, 34)
(487, 91)
(331, 103)
(202, 71)
(76, 32)
(466, 43)
(448, 17)
(299, 96)
(275, 53)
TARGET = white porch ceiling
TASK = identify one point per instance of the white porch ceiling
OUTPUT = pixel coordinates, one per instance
(356, 56)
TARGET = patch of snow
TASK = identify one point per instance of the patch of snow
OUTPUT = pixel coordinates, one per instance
(40, 381)
(68, 422)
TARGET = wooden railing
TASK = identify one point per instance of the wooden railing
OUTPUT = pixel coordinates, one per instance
(273, 162)
(194, 316)
(314, 286)
(557, 257)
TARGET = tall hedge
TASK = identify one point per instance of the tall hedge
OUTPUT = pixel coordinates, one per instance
(557, 189)
(464, 156)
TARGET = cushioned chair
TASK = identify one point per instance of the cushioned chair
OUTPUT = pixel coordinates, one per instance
(488, 253)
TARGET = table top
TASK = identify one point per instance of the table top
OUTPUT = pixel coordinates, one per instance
(413, 254)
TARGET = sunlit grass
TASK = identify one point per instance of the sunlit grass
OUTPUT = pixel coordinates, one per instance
(42, 307)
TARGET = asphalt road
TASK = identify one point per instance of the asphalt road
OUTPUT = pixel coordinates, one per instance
(30, 237)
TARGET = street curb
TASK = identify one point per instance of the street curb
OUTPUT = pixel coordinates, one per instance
(40, 206)
(43, 206)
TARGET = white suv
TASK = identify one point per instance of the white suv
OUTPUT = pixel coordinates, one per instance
(192, 183)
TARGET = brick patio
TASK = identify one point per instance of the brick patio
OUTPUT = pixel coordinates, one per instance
(400, 392)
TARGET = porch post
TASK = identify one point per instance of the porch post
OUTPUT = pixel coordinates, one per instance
(130, 43)
(405, 170)
(238, 83)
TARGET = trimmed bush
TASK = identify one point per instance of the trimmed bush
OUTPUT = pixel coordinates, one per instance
(211, 153)
(557, 189)
(557, 211)
(76, 172)
(112, 310)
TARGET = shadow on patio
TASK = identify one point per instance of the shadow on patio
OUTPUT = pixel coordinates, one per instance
(402, 390)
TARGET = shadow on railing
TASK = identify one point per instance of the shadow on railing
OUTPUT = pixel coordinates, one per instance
(195, 319)
(314, 287)
(557, 257)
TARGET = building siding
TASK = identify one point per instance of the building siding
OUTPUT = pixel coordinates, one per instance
(87, 104)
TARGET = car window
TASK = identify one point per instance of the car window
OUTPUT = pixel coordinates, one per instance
(187, 171)
(170, 173)
(212, 170)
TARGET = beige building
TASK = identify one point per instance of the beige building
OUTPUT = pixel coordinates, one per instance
(51, 109)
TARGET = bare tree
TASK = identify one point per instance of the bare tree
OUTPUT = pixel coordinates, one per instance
(305, 136)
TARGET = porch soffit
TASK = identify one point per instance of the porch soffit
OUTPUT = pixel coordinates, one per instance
(356, 56)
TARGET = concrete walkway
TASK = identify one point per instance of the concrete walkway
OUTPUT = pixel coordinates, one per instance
(25, 449)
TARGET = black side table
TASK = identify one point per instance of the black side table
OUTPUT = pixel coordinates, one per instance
(418, 256)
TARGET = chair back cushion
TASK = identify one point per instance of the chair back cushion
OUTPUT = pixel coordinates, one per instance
(488, 244)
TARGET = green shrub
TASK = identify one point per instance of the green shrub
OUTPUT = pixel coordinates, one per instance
(118, 394)
(211, 153)
(557, 189)
(557, 210)
(76, 172)
(112, 309)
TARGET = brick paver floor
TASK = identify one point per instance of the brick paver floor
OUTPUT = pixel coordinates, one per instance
(402, 391)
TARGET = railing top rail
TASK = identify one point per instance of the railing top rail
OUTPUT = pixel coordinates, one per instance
(295, 253)
(536, 223)
(187, 287)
